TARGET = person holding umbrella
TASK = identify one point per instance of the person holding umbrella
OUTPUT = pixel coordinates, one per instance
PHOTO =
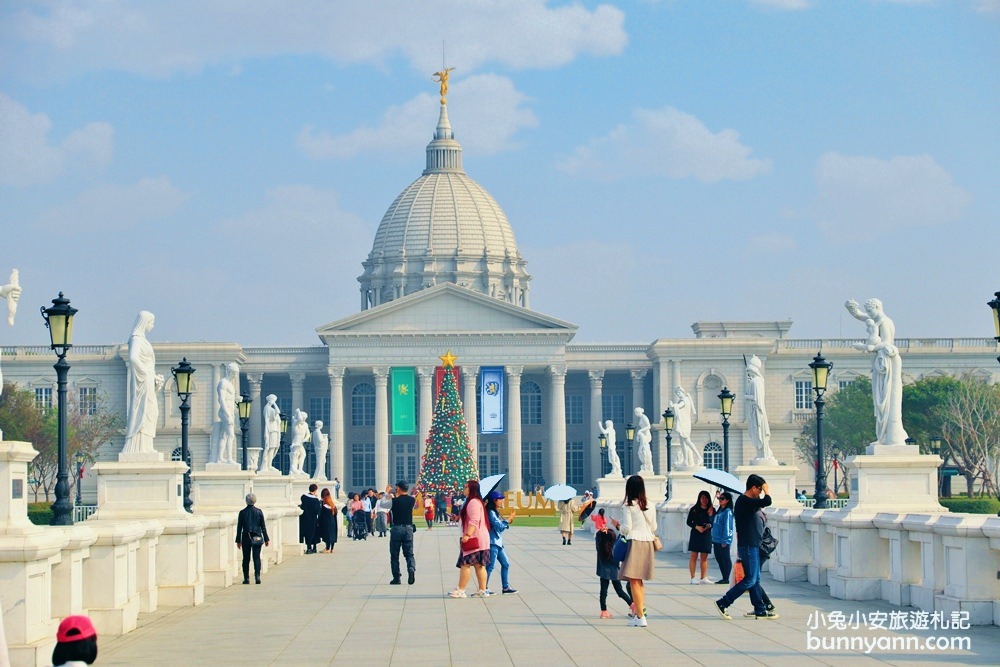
(494, 503)
(566, 506)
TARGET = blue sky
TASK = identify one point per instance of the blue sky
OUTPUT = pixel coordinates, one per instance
(226, 164)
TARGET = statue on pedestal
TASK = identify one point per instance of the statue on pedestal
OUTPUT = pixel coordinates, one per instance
(143, 384)
(300, 432)
(684, 415)
(758, 429)
(224, 430)
(608, 430)
(887, 371)
(272, 434)
(643, 437)
(321, 443)
(11, 292)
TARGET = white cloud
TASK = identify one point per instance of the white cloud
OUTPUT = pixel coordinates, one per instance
(986, 6)
(185, 35)
(670, 143)
(28, 158)
(111, 207)
(487, 113)
(771, 243)
(863, 197)
(299, 210)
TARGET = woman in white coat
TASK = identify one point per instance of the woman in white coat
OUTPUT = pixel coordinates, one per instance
(639, 526)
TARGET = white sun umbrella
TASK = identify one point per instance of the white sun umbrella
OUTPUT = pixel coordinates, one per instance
(487, 484)
(720, 478)
(559, 492)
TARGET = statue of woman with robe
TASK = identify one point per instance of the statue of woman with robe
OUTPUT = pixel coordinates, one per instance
(757, 427)
(143, 384)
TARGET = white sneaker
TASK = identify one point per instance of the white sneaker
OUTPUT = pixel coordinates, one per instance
(696, 581)
(456, 594)
(641, 622)
(481, 594)
(706, 580)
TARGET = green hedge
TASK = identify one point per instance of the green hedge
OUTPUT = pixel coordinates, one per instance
(40, 517)
(972, 505)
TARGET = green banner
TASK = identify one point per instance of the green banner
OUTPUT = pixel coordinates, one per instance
(404, 403)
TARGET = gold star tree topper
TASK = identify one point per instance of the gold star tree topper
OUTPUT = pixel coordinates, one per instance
(448, 359)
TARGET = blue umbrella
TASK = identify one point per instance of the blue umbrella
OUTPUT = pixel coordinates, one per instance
(559, 492)
(487, 484)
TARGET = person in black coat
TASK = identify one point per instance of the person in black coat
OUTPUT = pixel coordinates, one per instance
(251, 535)
(309, 519)
(700, 518)
(327, 521)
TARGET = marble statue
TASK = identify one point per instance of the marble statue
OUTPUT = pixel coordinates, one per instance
(442, 78)
(143, 385)
(224, 430)
(272, 434)
(608, 429)
(887, 371)
(321, 443)
(684, 416)
(300, 432)
(643, 437)
(11, 292)
(758, 428)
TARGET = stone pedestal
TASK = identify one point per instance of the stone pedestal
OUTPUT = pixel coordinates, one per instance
(610, 494)
(896, 484)
(109, 589)
(860, 565)
(656, 488)
(137, 490)
(793, 557)
(67, 574)
(276, 496)
(140, 457)
(180, 579)
(219, 496)
(222, 467)
(253, 457)
(780, 482)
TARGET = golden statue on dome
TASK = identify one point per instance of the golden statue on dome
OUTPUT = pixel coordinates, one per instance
(442, 77)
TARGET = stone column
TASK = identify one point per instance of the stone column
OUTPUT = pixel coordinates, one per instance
(256, 435)
(557, 424)
(514, 427)
(596, 414)
(469, 375)
(298, 381)
(336, 375)
(426, 375)
(381, 374)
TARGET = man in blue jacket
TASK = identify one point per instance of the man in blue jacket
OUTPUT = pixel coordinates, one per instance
(722, 536)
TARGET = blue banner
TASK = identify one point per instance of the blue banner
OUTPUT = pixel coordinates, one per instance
(491, 379)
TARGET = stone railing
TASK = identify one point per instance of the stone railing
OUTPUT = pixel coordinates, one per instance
(831, 503)
(942, 344)
(83, 512)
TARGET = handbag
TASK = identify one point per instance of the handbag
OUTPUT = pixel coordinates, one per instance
(768, 542)
(738, 572)
(256, 536)
(471, 544)
(657, 544)
(620, 550)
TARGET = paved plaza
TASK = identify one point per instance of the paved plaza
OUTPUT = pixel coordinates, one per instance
(339, 609)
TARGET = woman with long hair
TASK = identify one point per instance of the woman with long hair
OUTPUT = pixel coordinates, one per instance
(607, 566)
(328, 521)
(475, 542)
(699, 520)
(639, 526)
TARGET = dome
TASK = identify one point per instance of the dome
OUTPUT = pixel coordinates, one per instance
(444, 227)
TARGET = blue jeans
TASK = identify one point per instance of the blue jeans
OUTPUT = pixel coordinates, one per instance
(497, 553)
(724, 559)
(750, 581)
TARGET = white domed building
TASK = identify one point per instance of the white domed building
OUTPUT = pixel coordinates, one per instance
(445, 273)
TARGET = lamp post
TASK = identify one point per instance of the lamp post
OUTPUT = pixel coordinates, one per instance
(995, 305)
(726, 399)
(244, 407)
(668, 426)
(835, 463)
(821, 373)
(936, 451)
(281, 440)
(602, 442)
(182, 378)
(79, 478)
(629, 439)
(59, 320)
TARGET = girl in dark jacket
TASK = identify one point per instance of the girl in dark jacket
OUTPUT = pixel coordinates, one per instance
(607, 566)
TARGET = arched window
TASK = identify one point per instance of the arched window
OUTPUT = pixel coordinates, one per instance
(531, 404)
(176, 455)
(713, 456)
(363, 405)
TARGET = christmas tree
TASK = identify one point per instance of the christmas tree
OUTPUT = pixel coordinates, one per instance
(447, 464)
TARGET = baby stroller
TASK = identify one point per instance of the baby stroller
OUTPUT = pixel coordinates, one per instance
(359, 526)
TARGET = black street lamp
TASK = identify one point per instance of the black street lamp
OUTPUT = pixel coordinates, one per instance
(668, 425)
(59, 320)
(995, 305)
(835, 462)
(244, 407)
(821, 373)
(935, 447)
(182, 378)
(281, 443)
(726, 399)
(629, 439)
(602, 442)
(79, 477)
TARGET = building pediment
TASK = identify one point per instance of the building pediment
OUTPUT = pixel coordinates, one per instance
(447, 309)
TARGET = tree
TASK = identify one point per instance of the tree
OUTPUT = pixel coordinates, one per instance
(21, 419)
(447, 464)
(971, 430)
(848, 426)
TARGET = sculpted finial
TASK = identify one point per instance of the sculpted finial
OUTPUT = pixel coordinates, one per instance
(442, 77)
